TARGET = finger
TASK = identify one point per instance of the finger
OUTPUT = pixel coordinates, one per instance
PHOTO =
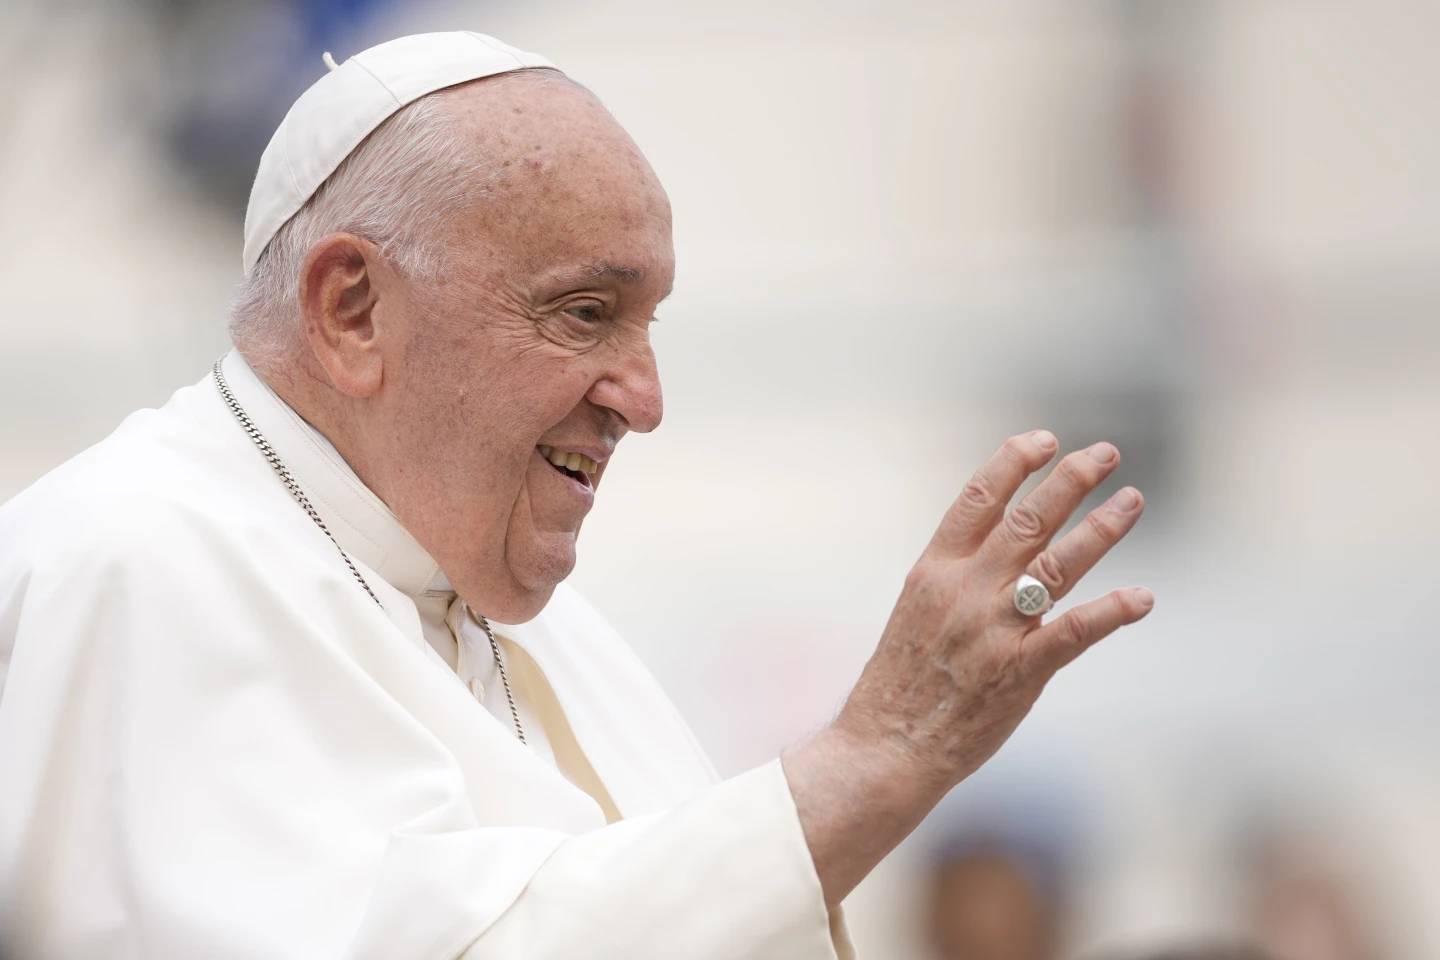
(1066, 637)
(982, 502)
(1030, 524)
(1061, 566)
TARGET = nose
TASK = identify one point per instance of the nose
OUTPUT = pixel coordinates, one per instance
(631, 388)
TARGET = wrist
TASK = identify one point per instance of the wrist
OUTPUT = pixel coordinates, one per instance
(893, 749)
(883, 773)
(857, 799)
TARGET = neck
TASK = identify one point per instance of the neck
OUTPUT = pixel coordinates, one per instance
(301, 383)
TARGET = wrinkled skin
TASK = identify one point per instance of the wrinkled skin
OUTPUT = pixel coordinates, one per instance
(438, 394)
(958, 667)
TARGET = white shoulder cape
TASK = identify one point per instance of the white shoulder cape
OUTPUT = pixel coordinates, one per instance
(213, 744)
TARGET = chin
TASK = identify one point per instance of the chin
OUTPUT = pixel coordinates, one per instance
(522, 606)
(534, 577)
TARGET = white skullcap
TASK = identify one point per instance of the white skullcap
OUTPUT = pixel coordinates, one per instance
(344, 106)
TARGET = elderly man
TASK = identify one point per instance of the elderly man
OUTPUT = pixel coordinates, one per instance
(290, 670)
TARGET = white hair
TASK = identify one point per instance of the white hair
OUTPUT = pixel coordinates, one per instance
(395, 189)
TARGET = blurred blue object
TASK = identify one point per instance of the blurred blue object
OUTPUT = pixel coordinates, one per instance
(238, 81)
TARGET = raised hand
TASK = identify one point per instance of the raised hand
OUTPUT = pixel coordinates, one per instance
(958, 666)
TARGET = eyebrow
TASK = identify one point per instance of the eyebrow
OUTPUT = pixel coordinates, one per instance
(605, 270)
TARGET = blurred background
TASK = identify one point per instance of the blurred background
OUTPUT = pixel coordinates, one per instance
(1204, 230)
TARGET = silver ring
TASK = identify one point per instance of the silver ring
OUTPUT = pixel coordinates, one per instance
(1031, 597)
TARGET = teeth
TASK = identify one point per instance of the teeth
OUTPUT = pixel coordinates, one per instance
(570, 461)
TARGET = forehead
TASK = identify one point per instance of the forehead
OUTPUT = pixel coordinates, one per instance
(565, 188)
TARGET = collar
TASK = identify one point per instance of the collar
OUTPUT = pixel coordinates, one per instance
(360, 521)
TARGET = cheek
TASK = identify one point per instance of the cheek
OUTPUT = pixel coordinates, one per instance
(494, 410)
(498, 424)
(548, 396)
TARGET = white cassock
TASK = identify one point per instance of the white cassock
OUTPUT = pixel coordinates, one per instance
(214, 745)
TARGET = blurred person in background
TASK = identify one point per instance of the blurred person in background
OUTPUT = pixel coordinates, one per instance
(1303, 902)
(253, 704)
(985, 904)
(1000, 867)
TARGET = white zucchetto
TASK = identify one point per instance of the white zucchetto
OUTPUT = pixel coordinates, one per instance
(342, 108)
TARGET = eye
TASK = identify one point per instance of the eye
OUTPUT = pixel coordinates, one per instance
(587, 311)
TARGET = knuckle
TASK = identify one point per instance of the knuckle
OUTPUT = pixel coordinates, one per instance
(1015, 447)
(1050, 571)
(979, 492)
(921, 578)
(1074, 630)
(1024, 523)
(1102, 527)
(1022, 451)
(1073, 470)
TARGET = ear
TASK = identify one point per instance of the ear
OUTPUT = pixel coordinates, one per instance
(340, 279)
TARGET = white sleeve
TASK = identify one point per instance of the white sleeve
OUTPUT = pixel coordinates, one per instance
(195, 765)
(727, 875)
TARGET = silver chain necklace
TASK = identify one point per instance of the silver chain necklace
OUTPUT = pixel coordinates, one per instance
(281, 471)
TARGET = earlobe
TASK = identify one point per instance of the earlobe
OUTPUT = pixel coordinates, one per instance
(338, 294)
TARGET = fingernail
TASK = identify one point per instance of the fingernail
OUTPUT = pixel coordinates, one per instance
(1044, 439)
(1143, 598)
(1125, 500)
(1103, 453)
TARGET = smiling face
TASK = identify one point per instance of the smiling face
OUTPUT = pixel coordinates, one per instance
(533, 346)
